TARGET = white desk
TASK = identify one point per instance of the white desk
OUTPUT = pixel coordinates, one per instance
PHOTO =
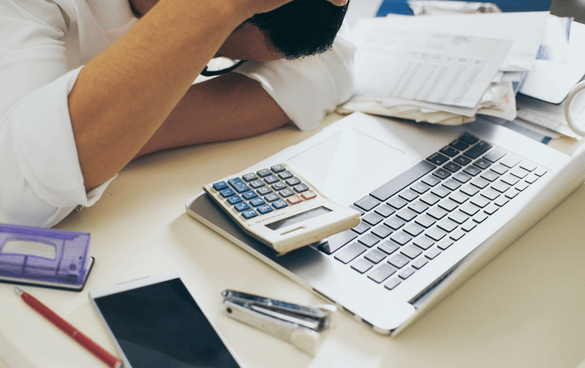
(524, 309)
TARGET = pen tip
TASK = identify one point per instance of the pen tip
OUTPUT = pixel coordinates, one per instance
(18, 290)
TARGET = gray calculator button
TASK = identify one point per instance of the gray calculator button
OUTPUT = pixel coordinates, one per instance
(293, 181)
(286, 192)
(285, 175)
(263, 173)
(270, 179)
(264, 190)
(301, 188)
(257, 184)
(271, 197)
(278, 185)
(249, 177)
(278, 168)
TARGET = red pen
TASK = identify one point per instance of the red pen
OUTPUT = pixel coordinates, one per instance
(64, 326)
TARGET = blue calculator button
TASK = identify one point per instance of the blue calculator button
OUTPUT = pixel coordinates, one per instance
(239, 185)
(220, 185)
(265, 208)
(234, 199)
(279, 204)
(257, 202)
(249, 214)
(249, 195)
(243, 206)
(227, 192)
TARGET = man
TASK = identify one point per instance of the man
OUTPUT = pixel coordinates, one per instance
(85, 88)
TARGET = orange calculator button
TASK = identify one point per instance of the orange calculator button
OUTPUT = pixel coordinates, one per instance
(294, 199)
(309, 194)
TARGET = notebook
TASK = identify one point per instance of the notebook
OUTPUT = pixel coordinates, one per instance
(437, 204)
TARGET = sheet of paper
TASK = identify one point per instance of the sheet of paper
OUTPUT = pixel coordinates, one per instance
(424, 66)
(526, 30)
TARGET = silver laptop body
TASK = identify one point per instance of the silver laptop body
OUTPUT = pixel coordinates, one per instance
(359, 154)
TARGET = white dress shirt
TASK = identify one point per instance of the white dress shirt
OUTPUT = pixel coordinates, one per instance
(43, 46)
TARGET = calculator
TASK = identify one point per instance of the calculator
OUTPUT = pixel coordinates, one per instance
(280, 208)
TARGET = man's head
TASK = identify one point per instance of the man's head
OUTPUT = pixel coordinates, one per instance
(299, 28)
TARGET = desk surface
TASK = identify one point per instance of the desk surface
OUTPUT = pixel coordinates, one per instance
(526, 308)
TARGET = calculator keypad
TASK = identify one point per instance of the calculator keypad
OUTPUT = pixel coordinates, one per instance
(266, 190)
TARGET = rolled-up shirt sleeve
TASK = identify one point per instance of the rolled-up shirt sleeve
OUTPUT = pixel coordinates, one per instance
(307, 89)
(40, 176)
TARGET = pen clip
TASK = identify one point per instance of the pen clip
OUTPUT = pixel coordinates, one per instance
(298, 324)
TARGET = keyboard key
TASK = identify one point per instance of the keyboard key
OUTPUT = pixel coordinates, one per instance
(388, 247)
(441, 192)
(462, 160)
(384, 210)
(423, 242)
(512, 193)
(436, 213)
(480, 217)
(458, 216)
(472, 170)
(397, 203)
(460, 145)
(402, 181)
(425, 221)
(449, 151)
(510, 160)
(394, 223)
(406, 214)
(413, 229)
(494, 155)
(521, 186)
(285, 175)
(375, 256)
(468, 226)
(408, 195)
(335, 242)
(501, 202)
(429, 199)
(444, 244)
(470, 190)
(477, 150)
(418, 207)
(382, 231)
(438, 159)
(372, 219)
(362, 265)
(462, 177)
(499, 169)
(531, 178)
(480, 201)
(540, 171)
(406, 273)
(519, 172)
(398, 260)
(482, 164)
(489, 176)
(368, 240)
(400, 238)
(392, 283)
(430, 180)
(435, 233)
(457, 234)
(458, 197)
(490, 209)
(469, 209)
(361, 228)
(433, 253)
(441, 173)
(500, 186)
(448, 205)
(350, 252)
(490, 194)
(451, 184)
(447, 225)
(451, 166)
(468, 138)
(480, 183)
(420, 188)
(381, 273)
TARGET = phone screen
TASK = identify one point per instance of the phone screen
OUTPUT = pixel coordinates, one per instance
(161, 325)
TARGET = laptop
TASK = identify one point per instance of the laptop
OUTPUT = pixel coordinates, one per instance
(437, 204)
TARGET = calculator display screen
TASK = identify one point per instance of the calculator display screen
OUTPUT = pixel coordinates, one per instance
(298, 218)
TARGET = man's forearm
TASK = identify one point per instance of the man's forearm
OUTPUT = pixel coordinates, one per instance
(225, 108)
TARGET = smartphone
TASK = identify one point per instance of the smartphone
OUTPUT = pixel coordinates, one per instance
(155, 322)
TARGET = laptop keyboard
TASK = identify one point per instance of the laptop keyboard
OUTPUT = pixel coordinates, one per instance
(409, 221)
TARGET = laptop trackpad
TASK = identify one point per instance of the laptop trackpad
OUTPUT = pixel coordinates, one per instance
(336, 165)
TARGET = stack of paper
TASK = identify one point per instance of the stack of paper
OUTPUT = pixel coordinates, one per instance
(444, 69)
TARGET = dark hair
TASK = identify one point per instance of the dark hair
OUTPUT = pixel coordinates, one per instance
(301, 27)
